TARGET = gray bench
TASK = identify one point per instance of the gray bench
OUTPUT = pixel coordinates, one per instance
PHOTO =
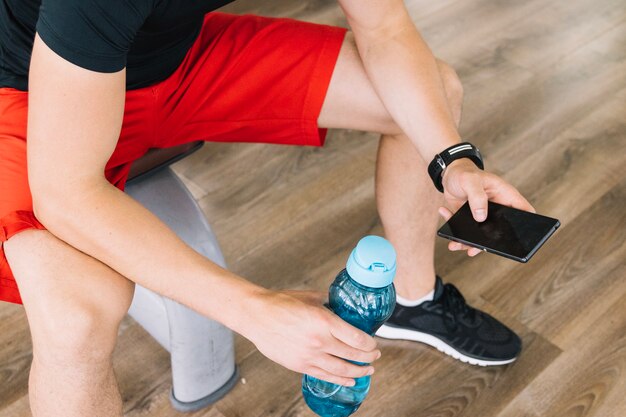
(202, 350)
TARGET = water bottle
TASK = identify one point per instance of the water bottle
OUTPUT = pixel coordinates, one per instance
(363, 295)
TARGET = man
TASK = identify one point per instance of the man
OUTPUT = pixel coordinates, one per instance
(108, 79)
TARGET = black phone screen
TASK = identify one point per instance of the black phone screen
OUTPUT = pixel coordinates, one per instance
(509, 232)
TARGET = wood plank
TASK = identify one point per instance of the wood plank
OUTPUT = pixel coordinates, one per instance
(542, 39)
(523, 121)
(585, 381)
(545, 87)
(270, 390)
(15, 356)
(454, 32)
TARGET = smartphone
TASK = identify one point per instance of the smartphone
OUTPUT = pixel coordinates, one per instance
(508, 232)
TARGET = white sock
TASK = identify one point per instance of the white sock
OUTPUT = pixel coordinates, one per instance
(412, 303)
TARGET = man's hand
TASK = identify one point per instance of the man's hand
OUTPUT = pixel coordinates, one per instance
(293, 329)
(463, 181)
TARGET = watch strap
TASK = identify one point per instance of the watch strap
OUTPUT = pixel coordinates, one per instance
(441, 161)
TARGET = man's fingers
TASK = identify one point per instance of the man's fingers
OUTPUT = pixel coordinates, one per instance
(342, 368)
(456, 246)
(445, 213)
(328, 377)
(477, 197)
(352, 336)
(507, 195)
(518, 201)
(343, 351)
(473, 251)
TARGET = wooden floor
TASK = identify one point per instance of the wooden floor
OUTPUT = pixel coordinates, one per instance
(545, 85)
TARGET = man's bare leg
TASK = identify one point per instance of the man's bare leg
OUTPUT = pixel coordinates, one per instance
(407, 200)
(74, 305)
(407, 205)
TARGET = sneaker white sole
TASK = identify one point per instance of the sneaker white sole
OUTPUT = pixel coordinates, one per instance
(388, 332)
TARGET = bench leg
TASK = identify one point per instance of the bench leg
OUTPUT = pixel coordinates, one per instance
(202, 350)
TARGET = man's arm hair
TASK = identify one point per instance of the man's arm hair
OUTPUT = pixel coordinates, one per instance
(404, 72)
(74, 121)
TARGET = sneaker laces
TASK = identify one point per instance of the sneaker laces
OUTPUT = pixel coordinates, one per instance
(454, 303)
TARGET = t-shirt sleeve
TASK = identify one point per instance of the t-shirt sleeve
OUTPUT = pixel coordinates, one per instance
(93, 34)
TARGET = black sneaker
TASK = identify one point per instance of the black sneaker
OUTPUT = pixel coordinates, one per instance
(453, 327)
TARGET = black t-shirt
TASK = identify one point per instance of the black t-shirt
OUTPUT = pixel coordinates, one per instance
(148, 37)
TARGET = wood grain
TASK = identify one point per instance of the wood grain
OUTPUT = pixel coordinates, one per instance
(545, 86)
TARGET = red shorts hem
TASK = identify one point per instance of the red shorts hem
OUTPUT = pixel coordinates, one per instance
(17, 221)
(9, 293)
(318, 87)
(10, 225)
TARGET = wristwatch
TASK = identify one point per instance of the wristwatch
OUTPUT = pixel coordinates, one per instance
(443, 159)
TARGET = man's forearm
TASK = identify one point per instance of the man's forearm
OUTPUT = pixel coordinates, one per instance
(405, 74)
(110, 226)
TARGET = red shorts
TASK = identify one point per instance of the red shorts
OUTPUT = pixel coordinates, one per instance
(245, 79)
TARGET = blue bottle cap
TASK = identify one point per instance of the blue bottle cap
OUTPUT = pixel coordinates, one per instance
(373, 262)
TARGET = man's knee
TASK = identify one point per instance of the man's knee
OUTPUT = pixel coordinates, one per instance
(73, 302)
(81, 333)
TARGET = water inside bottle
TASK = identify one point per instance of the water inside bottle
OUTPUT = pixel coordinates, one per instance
(335, 400)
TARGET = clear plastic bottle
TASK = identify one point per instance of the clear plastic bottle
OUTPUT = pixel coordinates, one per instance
(364, 296)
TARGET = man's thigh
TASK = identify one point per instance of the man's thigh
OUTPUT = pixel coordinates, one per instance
(352, 102)
(250, 79)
